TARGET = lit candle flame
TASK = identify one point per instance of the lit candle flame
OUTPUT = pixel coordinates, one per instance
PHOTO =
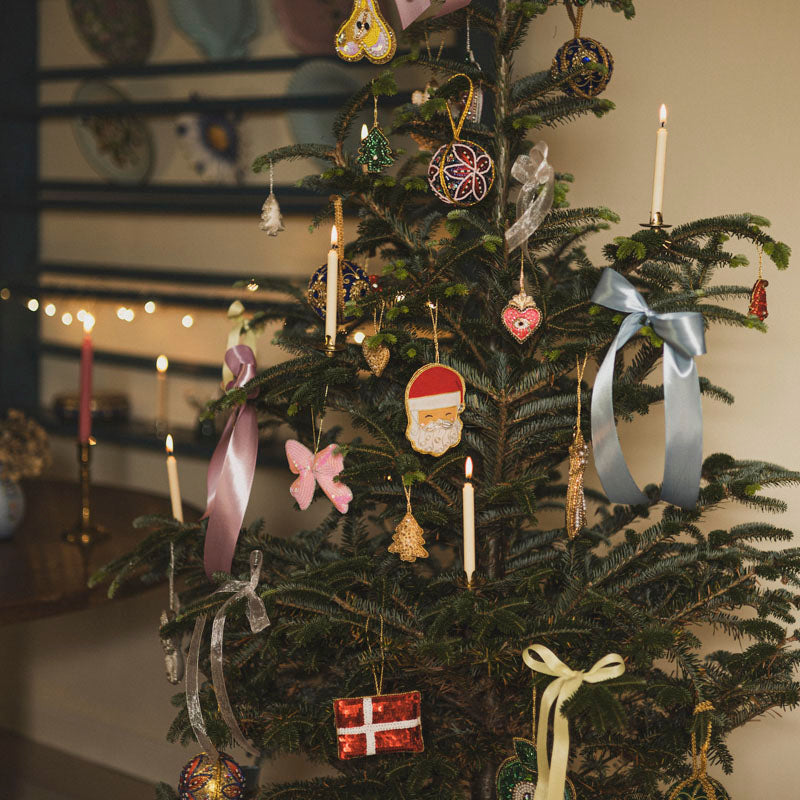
(662, 115)
(334, 237)
(88, 323)
(364, 131)
(169, 444)
(468, 468)
(162, 363)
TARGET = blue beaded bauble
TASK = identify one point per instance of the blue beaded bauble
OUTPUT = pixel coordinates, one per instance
(576, 52)
(205, 779)
(354, 285)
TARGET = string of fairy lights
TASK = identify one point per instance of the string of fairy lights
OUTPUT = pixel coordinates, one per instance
(124, 313)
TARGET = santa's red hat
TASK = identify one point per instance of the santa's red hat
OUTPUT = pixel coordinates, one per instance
(435, 386)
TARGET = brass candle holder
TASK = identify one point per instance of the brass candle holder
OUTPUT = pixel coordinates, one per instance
(84, 533)
(656, 222)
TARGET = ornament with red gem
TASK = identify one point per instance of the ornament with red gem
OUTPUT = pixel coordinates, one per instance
(521, 316)
(758, 297)
(461, 173)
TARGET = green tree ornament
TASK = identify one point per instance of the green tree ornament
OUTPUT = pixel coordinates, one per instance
(374, 152)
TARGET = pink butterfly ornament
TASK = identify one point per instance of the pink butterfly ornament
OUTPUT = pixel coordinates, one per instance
(317, 468)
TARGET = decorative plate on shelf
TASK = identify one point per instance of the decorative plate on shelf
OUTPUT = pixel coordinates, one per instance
(117, 31)
(220, 28)
(311, 39)
(119, 148)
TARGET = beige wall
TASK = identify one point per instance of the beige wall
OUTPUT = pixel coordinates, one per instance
(92, 682)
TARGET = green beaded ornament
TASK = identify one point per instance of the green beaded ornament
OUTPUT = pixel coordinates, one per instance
(374, 152)
(699, 786)
(516, 776)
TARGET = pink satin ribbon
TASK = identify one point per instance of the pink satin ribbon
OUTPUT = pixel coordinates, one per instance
(411, 10)
(231, 470)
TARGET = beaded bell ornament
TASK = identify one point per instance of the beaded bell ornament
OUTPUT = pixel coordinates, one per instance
(521, 316)
(698, 786)
(377, 355)
(461, 173)
(271, 219)
(582, 51)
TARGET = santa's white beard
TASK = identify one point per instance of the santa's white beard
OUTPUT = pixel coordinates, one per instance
(436, 437)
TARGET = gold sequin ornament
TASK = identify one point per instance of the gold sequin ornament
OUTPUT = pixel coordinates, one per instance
(377, 356)
(578, 460)
(408, 540)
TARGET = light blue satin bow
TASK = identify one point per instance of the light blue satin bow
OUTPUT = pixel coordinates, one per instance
(683, 335)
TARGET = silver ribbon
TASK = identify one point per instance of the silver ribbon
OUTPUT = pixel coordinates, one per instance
(258, 619)
(684, 337)
(535, 198)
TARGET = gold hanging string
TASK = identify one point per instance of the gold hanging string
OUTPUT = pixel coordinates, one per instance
(433, 308)
(271, 175)
(377, 323)
(338, 221)
(576, 18)
(428, 47)
(581, 368)
(521, 273)
(457, 127)
(316, 428)
(407, 492)
(760, 263)
(533, 716)
(375, 111)
(376, 676)
(701, 708)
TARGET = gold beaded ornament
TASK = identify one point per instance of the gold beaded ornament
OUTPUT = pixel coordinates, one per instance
(578, 461)
(408, 540)
(366, 33)
(377, 356)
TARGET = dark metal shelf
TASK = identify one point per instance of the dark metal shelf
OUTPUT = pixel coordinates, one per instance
(141, 434)
(173, 198)
(187, 368)
(126, 272)
(280, 64)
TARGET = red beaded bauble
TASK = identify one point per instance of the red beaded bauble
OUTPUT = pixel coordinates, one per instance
(461, 173)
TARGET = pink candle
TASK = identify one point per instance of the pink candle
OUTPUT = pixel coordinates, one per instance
(85, 407)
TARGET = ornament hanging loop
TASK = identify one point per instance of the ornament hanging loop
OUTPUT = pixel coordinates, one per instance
(465, 113)
(575, 17)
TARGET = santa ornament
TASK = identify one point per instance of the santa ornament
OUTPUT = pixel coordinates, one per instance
(434, 402)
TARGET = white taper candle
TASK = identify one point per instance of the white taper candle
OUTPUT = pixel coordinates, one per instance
(657, 205)
(332, 295)
(468, 501)
(174, 484)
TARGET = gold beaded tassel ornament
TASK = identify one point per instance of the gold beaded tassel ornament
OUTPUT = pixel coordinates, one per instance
(578, 460)
(408, 540)
(698, 786)
(377, 355)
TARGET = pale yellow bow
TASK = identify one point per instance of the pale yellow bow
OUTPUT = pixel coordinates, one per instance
(552, 771)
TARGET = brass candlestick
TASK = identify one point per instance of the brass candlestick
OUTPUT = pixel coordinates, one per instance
(656, 222)
(84, 533)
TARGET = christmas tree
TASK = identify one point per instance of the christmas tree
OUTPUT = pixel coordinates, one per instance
(356, 607)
